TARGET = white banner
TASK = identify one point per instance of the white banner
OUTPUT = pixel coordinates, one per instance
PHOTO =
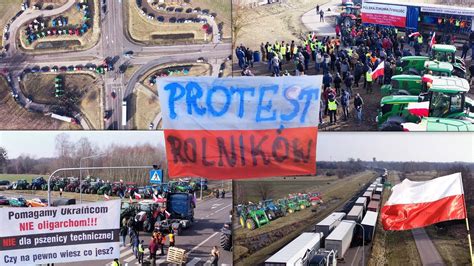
(460, 11)
(30, 236)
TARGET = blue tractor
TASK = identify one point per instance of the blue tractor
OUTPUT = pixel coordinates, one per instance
(37, 183)
(179, 213)
(273, 211)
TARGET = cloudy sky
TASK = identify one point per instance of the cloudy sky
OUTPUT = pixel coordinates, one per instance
(386, 146)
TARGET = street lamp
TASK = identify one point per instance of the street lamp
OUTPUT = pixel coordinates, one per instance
(80, 172)
(363, 243)
(89, 168)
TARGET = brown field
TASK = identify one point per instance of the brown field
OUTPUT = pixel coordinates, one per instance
(195, 70)
(223, 8)
(253, 247)
(147, 107)
(142, 30)
(48, 3)
(13, 116)
(8, 8)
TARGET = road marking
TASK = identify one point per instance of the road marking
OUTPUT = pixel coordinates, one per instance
(223, 208)
(126, 253)
(215, 205)
(355, 256)
(202, 243)
(193, 262)
(129, 259)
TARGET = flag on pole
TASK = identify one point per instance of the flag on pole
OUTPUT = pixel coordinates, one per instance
(419, 204)
(137, 196)
(433, 39)
(106, 197)
(379, 71)
(423, 126)
(414, 34)
(155, 199)
(131, 200)
(167, 214)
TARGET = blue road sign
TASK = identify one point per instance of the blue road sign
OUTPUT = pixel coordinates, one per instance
(156, 176)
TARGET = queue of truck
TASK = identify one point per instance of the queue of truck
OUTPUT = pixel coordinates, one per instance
(332, 237)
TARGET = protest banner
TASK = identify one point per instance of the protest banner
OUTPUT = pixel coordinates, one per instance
(243, 127)
(389, 15)
(31, 236)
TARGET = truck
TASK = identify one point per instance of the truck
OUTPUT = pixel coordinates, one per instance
(362, 201)
(329, 223)
(373, 206)
(369, 222)
(341, 237)
(368, 195)
(298, 252)
(180, 207)
(378, 190)
(124, 113)
(356, 213)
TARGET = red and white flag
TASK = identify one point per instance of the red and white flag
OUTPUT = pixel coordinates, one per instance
(106, 197)
(167, 214)
(423, 126)
(433, 39)
(131, 200)
(419, 108)
(379, 71)
(414, 34)
(137, 196)
(155, 199)
(419, 204)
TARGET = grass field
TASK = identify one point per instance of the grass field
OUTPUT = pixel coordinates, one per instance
(195, 70)
(147, 107)
(13, 116)
(8, 8)
(142, 29)
(223, 8)
(253, 247)
(393, 247)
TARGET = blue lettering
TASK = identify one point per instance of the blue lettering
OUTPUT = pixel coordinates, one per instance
(309, 98)
(241, 92)
(193, 93)
(173, 87)
(296, 107)
(209, 101)
(268, 106)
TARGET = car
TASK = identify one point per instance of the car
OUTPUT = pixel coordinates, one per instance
(104, 8)
(160, 19)
(4, 200)
(17, 202)
(151, 126)
(4, 184)
(37, 202)
(113, 94)
(54, 69)
(200, 60)
(172, 20)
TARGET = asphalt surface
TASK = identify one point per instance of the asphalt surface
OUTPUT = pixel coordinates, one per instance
(113, 43)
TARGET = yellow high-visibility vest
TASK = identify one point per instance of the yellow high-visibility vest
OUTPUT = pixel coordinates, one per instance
(457, 22)
(283, 49)
(368, 76)
(115, 263)
(140, 248)
(420, 39)
(277, 47)
(295, 50)
(349, 52)
(269, 48)
(332, 105)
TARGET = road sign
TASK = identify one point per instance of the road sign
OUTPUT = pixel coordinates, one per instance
(156, 176)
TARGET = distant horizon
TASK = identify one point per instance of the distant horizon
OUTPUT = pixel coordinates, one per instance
(331, 146)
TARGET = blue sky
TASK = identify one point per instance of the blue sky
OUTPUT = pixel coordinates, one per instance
(388, 146)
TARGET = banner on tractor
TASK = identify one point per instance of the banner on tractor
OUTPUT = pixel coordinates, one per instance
(381, 14)
(32, 236)
(243, 127)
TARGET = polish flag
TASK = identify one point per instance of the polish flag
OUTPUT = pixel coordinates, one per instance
(419, 204)
(379, 71)
(433, 39)
(106, 197)
(414, 34)
(414, 126)
(158, 199)
(131, 200)
(137, 196)
(167, 214)
(419, 108)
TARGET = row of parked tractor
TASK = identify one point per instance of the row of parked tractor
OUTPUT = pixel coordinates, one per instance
(437, 84)
(91, 185)
(39, 27)
(256, 215)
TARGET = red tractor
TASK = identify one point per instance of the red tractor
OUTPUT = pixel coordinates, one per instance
(350, 15)
(315, 198)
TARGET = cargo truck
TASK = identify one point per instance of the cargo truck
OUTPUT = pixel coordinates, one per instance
(329, 223)
(369, 222)
(368, 195)
(298, 252)
(376, 197)
(341, 237)
(373, 206)
(356, 213)
(362, 201)
(378, 190)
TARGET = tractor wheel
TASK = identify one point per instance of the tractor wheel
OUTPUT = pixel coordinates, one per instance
(226, 242)
(77, 190)
(391, 126)
(251, 224)
(314, 203)
(303, 206)
(291, 211)
(242, 222)
(147, 226)
(34, 188)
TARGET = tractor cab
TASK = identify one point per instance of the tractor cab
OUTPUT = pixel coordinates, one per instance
(350, 15)
(273, 211)
(447, 53)
(255, 217)
(393, 111)
(440, 69)
(403, 85)
(412, 65)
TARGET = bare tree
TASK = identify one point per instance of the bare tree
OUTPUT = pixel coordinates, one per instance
(3, 159)
(238, 21)
(264, 189)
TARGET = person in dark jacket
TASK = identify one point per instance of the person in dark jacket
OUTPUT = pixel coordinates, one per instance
(358, 103)
(249, 57)
(337, 83)
(123, 234)
(345, 97)
(465, 49)
(153, 247)
(327, 80)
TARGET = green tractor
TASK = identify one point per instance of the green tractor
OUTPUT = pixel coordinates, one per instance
(303, 199)
(288, 206)
(393, 111)
(298, 202)
(105, 189)
(411, 65)
(403, 85)
(420, 65)
(449, 109)
(253, 217)
(447, 53)
(21, 184)
(60, 184)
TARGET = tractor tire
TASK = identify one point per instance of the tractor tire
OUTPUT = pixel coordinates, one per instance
(226, 242)
(77, 190)
(109, 193)
(314, 203)
(34, 188)
(391, 126)
(251, 224)
(291, 211)
(303, 206)
(242, 222)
